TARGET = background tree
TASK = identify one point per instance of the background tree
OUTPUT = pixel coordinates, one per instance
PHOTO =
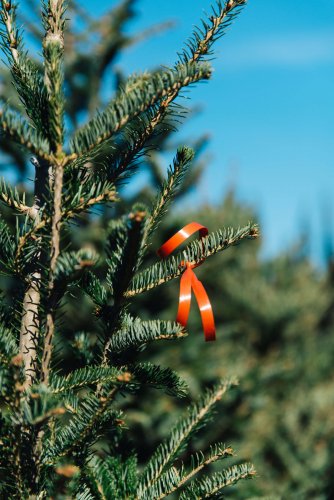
(63, 431)
(276, 320)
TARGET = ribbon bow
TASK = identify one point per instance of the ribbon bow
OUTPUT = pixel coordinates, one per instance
(189, 282)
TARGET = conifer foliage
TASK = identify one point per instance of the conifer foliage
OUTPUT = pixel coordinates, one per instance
(62, 429)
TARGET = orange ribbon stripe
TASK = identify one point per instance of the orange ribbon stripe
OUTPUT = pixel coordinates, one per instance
(190, 282)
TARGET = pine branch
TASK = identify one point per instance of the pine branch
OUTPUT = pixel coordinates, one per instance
(199, 461)
(95, 290)
(169, 188)
(200, 44)
(12, 198)
(40, 405)
(114, 477)
(168, 451)
(9, 356)
(159, 378)
(28, 238)
(34, 96)
(130, 378)
(195, 252)
(135, 101)
(13, 39)
(8, 344)
(126, 150)
(15, 127)
(7, 248)
(167, 481)
(93, 413)
(70, 265)
(104, 192)
(83, 377)
(53, 49)
(175, 478)
(210, 486)
(73, 434)
(135, 333)
(82, 192)
(84, 493)
(10, 422)
(123, 249)
(82, 430)
(27, 79)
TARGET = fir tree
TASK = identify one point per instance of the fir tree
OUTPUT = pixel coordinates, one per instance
(63, 431)
(276, 319)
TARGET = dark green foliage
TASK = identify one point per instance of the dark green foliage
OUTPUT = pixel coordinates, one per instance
(83, 192)
(95, 289)
(8, 349)
(83, 377)
(53, 47)
(160, 378)
(276, 334)
(72, 359)
(71, 265)
(212, 485)
(195, 252)
(14, 126)
(166, 454)
(139, 96)
(11, 197)
(112, 477)
(27, 78)
(160, 476)
(135, 333)
(169, 188)
(83, 429)
(175, 477)
(7, 248)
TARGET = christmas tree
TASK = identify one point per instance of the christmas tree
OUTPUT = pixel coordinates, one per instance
(63, 428)
(276, 320)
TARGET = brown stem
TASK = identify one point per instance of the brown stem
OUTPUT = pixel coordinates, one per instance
(55, 249)
(30, 327)
(30, 322)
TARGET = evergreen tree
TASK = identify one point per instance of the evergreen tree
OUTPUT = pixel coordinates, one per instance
(275, 317)
(63, 431)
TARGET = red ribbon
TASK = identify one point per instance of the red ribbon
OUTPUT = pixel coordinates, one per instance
(189, 281)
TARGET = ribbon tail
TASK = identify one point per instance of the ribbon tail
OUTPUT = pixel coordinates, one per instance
(205, 308)
(184, 297)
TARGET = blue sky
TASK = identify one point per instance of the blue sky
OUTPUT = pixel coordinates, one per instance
(269, 108)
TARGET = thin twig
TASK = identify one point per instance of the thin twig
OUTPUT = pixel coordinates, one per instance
(193, 472)
(200, 51)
